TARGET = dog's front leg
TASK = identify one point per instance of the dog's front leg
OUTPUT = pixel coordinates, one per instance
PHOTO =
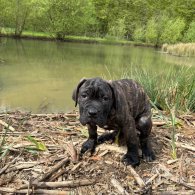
(91, 143)
(129, 132)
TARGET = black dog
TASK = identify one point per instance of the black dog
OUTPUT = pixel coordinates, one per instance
(120, 105)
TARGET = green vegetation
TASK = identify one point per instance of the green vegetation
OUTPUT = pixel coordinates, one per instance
(175, 89)
(150, 21)
(180, 49)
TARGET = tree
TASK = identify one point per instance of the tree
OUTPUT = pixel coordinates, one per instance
(151, 34)
(190, 33)
(172, 32)
(69, 17)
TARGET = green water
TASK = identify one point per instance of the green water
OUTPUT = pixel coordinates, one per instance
(39, 76)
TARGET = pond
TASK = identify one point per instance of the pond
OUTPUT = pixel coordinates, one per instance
(39, 76)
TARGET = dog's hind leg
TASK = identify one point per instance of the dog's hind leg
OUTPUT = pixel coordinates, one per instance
(107, 137)
(144, 126)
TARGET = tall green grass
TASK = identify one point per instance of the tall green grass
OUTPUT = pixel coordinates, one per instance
(175, 88)
(172, 88)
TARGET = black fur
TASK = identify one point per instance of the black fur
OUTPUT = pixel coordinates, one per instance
(120, 105)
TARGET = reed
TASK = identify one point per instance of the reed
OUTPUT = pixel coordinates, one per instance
(180, 49)
(175, 88)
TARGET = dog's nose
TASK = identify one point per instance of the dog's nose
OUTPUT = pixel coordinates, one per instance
(92, 112)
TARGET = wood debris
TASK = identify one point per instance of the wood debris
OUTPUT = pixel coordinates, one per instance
(48, 161)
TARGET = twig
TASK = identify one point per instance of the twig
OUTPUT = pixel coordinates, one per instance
(169, 162)
(182, 183)
(6, 125)
(152, 178)
(7, 166)
(187, 192)
(103, 153)
(20, 166)
(6, 180)
(76, 166)
(70, 148)
(38, 191)
(70, 184)
(115, 148)
(181, 145)
(50, 172)
(118, 186)
(136, 176)
(58, 174)
(54, 169)
(159, 123)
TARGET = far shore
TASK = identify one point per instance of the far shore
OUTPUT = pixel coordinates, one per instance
(79, 39)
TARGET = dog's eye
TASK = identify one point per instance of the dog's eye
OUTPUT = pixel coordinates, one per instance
(105, 98)
(84, 96)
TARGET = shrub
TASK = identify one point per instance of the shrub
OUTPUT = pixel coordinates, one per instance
(139, 33)
(151, 34)
(117, 29)
(190, 34)
(172, 32)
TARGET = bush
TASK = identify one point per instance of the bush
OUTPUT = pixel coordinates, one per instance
(139, 34)
(151, 34)
(117, 29)
(172, 32)
(190, 34)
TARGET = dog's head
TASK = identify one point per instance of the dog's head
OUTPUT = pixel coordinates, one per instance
(96, 100)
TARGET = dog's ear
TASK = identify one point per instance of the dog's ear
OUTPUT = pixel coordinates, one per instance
(76, 91)
(114, 95)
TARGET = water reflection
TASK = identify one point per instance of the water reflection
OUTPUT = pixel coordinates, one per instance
(40, 76)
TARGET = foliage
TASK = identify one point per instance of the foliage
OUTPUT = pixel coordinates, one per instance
(117, 29)
(190, 33)
(37, 145)
(151, 21)
(69, 16)
(176, 89)
(172, 32)
(151, 34)
(139, 34)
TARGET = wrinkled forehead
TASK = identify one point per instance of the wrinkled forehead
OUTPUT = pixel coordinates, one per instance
(96, 86)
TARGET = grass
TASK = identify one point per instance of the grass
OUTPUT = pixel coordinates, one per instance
(180, 49)
(173, 88)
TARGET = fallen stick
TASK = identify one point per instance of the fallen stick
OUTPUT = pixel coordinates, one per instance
(149, 181)
(118, 186)
(159, 123)
(186, 146)
(54, 169)
(138, 179)
(187, 192)
(61, 184)
(181, 145)
(76, 167)
(38, 191)
(182, 183)
(20, 166)
(8, 165)
(58, 174)
(115, 148)
(48, 174)
(6, 125)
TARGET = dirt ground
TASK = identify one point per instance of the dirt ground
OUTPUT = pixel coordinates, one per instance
(39, 155)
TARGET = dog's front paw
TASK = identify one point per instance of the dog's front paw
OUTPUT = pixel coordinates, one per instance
(148, 155)
(129, 159)
(89, 145)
